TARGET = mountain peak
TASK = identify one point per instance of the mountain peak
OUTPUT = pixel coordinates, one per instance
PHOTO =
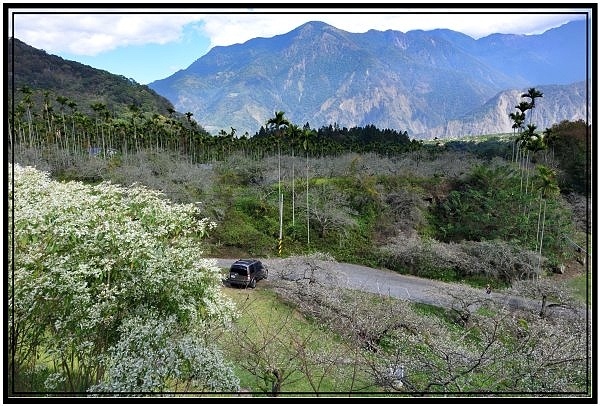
(312, 29)
(320, 74)
(316, 25)
(313, 25)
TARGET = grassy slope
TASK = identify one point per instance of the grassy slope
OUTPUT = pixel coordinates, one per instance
(263, 313)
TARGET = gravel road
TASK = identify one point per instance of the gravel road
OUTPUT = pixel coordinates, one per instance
(390, 283)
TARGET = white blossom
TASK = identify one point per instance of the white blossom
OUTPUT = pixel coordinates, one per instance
(89, 257)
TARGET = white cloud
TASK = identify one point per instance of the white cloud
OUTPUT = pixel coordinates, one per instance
(90, 34)
(238, 28)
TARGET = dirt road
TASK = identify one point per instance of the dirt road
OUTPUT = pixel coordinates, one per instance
(391, 283)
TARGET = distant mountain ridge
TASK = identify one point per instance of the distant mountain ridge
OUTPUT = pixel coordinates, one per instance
(559, 102)
(430, 83)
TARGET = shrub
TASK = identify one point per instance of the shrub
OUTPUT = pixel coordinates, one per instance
(493, 203)
(149, 357)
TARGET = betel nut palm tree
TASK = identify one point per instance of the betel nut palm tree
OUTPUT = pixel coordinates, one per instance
(279, 123)
(294, 133)
(532, 93)
(307, 134)
(518, 119)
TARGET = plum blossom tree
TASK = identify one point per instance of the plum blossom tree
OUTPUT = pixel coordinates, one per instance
(474, 344)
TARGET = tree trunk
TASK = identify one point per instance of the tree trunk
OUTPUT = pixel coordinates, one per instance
(543, 309)
(276, 388)
(307, 211)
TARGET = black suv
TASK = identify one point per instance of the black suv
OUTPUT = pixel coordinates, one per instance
(246, 272)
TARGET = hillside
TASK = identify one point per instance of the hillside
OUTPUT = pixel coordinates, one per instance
(81, 83)
(415, 81)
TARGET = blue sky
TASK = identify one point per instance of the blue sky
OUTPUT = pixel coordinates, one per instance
(152, 43)
(150, 61)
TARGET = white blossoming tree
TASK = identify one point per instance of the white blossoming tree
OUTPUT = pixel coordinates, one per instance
(108, 290)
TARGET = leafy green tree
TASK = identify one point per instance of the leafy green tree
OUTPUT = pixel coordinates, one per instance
(570, 143)
(548, 188)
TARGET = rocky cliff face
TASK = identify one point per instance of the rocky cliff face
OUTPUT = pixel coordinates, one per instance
(559, 102)
(429, 83)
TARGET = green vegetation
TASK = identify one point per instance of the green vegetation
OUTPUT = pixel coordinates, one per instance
(274, 347)
(488, 205)
(582, 286)
(570, 144)
(80, 85)
(127, 263)
(356, 205)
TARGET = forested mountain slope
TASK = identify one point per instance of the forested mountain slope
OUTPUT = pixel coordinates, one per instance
(85, 85)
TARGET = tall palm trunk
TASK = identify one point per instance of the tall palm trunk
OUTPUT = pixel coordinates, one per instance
(277, 123)
(307, 211)
(527, 172)
(280, 197)
(293, 189)
(537, 236)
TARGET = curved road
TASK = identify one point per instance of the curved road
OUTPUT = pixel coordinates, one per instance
(390, 283)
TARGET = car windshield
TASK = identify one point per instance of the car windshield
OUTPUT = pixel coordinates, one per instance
(240, 270)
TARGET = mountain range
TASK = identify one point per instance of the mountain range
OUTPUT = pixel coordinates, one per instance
(438, 83)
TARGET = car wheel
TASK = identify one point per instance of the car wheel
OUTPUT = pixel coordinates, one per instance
(253, 283)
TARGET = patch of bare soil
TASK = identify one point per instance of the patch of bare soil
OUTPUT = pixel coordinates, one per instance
(572, 269)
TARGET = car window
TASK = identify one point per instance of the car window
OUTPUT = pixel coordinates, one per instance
(241, 270)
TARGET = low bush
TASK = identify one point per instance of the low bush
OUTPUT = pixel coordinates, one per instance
(478, 262)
